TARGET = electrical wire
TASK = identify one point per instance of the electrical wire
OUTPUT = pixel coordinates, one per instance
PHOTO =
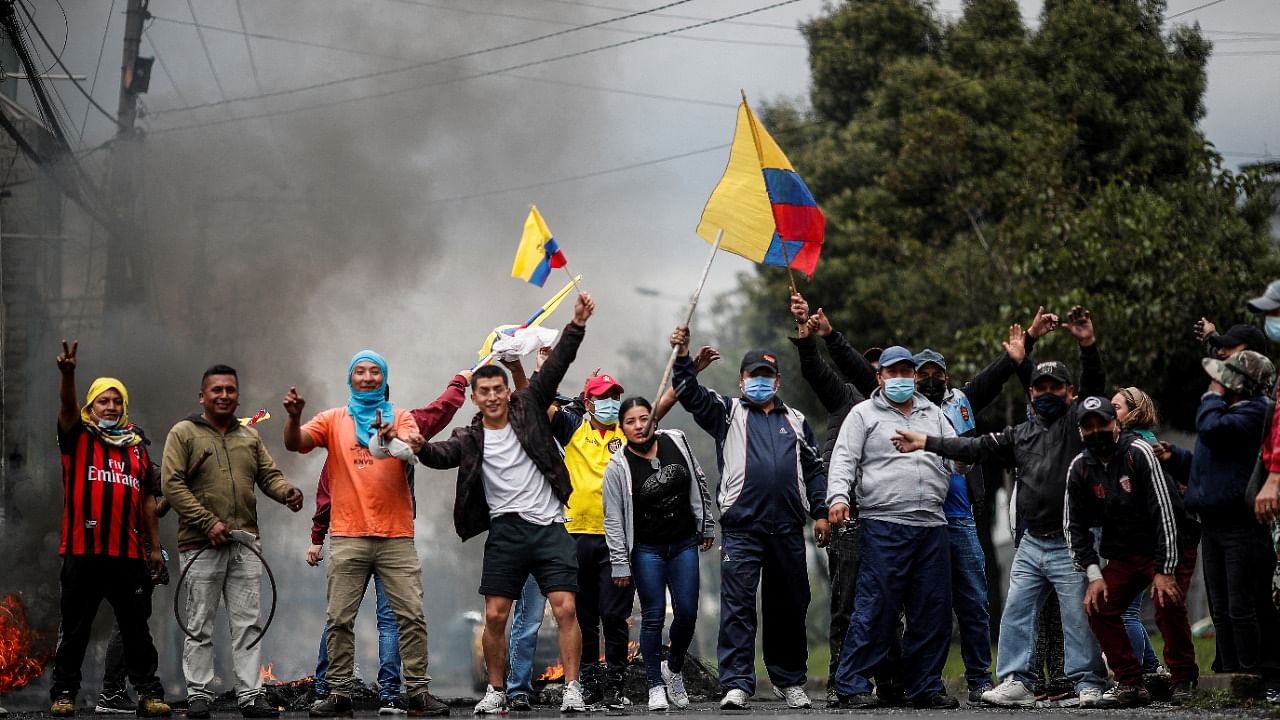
(97, 67)
(447, 81)
(429, 63)
(58, 59)
(741, 23)
(164, 67)
(200, 34)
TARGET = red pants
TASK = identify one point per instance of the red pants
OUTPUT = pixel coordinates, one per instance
(1125, 579)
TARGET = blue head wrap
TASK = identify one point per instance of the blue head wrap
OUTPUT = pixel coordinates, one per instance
(364, 406)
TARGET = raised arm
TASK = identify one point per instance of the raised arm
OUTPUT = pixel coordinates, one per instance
(294, 439)
(436, 416)
(543, 385)
(832, 391)
(708, 409)
(1093, 376)
(986, 386)
(706, 355)
(68, 406)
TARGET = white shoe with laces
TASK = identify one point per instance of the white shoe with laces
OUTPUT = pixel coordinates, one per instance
(494, 701)
(735, 699)
(796, 697)
(1091, 697)
(572, 700)
(675, 687)
(658, 699)
(1010, 693)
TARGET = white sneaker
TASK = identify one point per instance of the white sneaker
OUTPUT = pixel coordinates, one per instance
(571, 701)
(675, 687)
(657, 699)
(796, 697)
(1010, 693)
(735, 700)
(1091, 697)
(494, 701)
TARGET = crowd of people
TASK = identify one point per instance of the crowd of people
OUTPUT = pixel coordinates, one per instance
(588, 504)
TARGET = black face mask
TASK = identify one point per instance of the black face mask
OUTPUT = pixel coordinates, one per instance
(1102, 443)
(643, 447)
(1050, 407)
(933, 388)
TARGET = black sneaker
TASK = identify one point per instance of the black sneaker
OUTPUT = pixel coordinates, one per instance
(393, 706)
(941, 701)
(198, 708)
(258, 707)
(975, 694)
(333, 706)
(424, 704)
(1182, 692)
(519, 703)
(114, 702)
(613, 692)
(861, 701)
(1125, 696)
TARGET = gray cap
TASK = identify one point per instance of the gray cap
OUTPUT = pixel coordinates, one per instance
(1244, 372)
(1269, 301)
(930, 356)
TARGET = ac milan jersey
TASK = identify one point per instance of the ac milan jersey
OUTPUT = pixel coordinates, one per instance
(104, 487)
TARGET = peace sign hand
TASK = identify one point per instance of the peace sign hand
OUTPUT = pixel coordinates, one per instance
(67, 358)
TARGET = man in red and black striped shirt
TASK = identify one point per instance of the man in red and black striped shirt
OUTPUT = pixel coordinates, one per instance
(110, 535)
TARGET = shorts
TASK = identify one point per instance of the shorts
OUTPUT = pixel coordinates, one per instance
(517, 548)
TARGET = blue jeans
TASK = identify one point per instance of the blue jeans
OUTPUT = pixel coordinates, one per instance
(1040, 566)
(654, 570)
(902, 567)
(1138, 637)
(388, 650)
(526, 620)
(969, 600)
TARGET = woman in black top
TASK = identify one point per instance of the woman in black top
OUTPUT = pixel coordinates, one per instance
(657, 515)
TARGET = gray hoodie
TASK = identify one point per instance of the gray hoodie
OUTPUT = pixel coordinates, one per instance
(619, 531)
(888, 485)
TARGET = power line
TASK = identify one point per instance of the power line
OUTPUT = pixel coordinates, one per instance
(743, 23)
(488, 73)
(164, 68)
(200, 34)
(416, 66)
(248, 48)
(58, 60)
(98, 67)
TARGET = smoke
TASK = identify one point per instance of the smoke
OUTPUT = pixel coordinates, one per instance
(283, 246)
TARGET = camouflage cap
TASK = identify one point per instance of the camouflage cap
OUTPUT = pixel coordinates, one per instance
(1245, 372)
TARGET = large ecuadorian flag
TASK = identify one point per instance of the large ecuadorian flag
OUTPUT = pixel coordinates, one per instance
(538, 253)
(767, 213)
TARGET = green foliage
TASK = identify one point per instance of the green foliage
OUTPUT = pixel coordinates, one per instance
(973, 169)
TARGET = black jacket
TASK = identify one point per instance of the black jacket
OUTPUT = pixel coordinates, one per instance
(837, 396)
(528, 417)
(1041, 453)
(1131, 499)
(1228, 438)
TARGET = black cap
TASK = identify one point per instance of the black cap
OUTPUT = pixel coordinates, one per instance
(757, 359)
(1099, 406)
(1051, 369)
(1248, 335)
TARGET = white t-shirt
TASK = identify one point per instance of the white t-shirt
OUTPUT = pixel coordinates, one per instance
(513, 484)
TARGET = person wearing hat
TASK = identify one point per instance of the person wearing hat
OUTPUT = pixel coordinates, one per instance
(772, 481)
(1224, 345)
(904, 559)
(1236, 550)
(110, 536)
(1267, 503)
(1041, 449)
(839, 384)
(964, 496)
(590, 439)
(1116, 484)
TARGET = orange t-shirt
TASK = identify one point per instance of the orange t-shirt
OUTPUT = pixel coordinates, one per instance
(370, 496)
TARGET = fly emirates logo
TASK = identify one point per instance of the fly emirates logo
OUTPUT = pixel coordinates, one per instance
(115, 474)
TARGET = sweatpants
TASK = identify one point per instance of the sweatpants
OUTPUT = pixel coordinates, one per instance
(901, 566)
(775, 565)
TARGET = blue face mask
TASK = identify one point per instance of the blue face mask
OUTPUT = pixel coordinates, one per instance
(899, 390)
(1271, 326)
(606, 412)
(759, 390)
(107, 424)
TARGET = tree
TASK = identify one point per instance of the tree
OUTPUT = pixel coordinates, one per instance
(971, 170)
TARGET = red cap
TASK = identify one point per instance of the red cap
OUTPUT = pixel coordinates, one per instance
(600, 385)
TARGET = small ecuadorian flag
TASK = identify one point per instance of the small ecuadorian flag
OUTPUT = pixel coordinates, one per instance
(766, 211)
(538, 253)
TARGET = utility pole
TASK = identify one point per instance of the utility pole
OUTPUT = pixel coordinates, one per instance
(123, 254)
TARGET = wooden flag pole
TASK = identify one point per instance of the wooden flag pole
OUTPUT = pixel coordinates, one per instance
(572, 277)
(688, 318)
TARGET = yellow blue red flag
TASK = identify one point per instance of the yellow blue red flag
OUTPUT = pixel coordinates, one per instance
(535, 319)
(538, 253)
(766, 211)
